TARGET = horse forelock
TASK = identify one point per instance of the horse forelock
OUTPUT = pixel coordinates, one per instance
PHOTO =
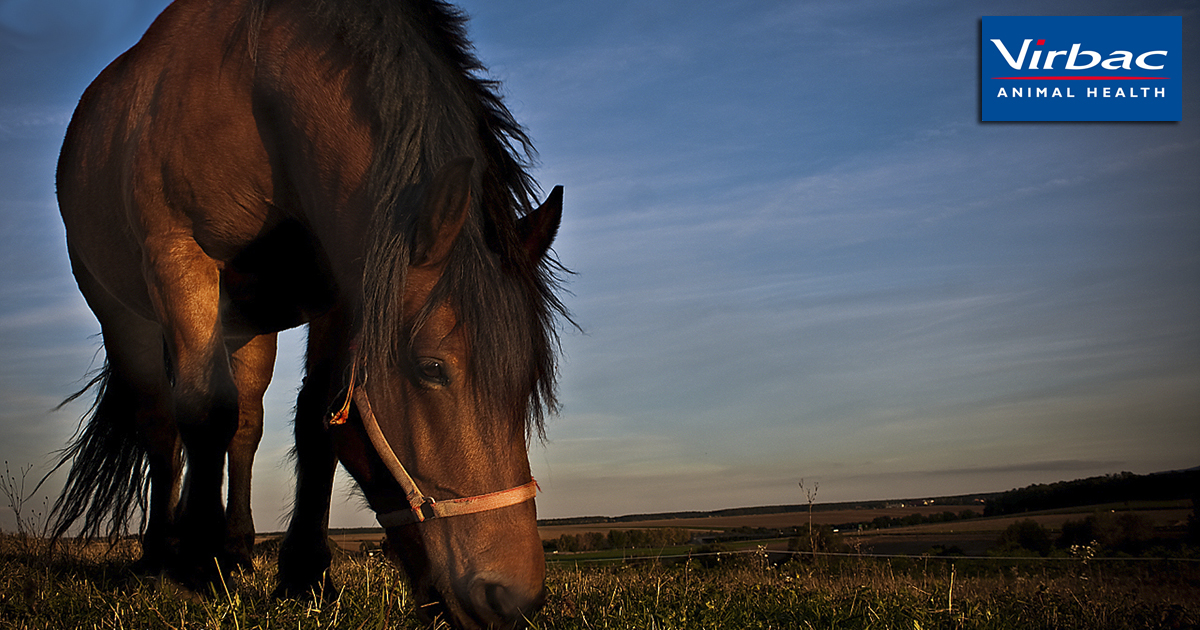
(431, 105)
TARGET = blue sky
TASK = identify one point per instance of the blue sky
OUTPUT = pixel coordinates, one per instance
(799, 254)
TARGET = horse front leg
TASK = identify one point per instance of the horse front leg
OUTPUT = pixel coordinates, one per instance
(304, 555)
(185, 290)
(253, 365)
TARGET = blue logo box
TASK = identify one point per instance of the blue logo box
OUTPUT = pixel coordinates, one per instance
(1082, 68)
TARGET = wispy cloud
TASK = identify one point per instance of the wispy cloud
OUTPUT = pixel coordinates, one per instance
(27, 122)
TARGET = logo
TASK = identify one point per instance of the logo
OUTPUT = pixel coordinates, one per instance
(1082, 68)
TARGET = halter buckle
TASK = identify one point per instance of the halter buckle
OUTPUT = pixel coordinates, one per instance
(427, 510)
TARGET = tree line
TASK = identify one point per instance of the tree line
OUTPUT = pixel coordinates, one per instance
(1115, 488)
(1101, 534)
(884, 522)
(655, 538)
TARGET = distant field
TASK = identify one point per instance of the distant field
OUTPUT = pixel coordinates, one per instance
(975, 536)
(783, 520)
(972, 535)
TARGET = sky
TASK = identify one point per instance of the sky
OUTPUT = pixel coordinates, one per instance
(798, 255)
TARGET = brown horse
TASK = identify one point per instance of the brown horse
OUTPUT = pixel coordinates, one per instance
(254, 165)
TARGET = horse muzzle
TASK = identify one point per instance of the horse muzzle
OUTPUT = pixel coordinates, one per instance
(470, 601)
(498, 603)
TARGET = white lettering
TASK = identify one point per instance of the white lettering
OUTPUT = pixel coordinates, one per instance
(1056, 93)
(1041, 92)
(1160, 92)
(1120, 93)
(1117, 60)
(1049, 65)
(1107, 92)
(1071, 65)
(1123, 56)
(1002, 94)
(1069, 94)
(1014, 63)
(1091, 92)
(1141, 60)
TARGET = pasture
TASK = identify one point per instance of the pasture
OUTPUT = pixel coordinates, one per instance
(92, 587)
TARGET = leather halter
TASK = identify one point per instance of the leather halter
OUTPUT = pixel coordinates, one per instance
(421, 506)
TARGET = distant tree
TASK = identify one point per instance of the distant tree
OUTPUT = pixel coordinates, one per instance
(1077, 533)
(1135, 533)
(593, 541)
(618, 539)
(1128, 532)
(1026, 535)
(818, 538)
(568, 543)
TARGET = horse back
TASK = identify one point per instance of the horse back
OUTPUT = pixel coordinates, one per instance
(192, 136)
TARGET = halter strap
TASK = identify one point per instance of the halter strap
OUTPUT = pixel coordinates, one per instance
(421, 506)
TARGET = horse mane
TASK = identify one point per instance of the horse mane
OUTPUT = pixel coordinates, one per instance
(432, 104)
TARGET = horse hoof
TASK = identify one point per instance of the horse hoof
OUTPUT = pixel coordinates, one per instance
(237, 560)
(322, 589)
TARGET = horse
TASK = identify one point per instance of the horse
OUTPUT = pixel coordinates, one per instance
(251, 166)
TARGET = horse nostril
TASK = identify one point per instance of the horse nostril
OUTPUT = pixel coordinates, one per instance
(510, 606)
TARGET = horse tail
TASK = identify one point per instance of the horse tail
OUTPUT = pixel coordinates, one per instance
(108, 480)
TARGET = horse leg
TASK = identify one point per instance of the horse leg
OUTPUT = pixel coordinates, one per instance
(304, 555)
(137, 389)
(253, 364)
(185, 292)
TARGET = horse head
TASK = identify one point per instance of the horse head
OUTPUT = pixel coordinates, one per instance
(439, 443)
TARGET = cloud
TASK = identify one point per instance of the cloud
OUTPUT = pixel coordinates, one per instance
(25, 122)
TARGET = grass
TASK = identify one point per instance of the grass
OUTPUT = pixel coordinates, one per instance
(92, 588)
(860, 593)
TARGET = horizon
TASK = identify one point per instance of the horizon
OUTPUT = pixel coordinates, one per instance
(798, 254)
(784, 507)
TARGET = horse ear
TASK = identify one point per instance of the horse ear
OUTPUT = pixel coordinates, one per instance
(538, 228)
(447, 202)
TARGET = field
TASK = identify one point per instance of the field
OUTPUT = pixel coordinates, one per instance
(93, 588)
(973, 536)
(785, 519)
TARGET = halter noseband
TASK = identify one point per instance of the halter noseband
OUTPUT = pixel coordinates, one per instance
(421, 506)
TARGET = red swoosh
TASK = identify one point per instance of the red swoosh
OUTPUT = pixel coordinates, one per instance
(1080, 78)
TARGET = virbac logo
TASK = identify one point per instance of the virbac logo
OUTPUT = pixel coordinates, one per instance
(1118, 59)
(1082, 68)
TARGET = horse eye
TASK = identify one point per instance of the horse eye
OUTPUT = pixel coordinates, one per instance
(432, 371)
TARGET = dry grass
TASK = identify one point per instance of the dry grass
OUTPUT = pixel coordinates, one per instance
(868, 594)
(93, 588)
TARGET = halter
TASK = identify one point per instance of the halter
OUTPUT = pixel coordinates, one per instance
(421, 506)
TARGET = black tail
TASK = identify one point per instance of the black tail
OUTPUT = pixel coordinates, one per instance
(108, 481)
